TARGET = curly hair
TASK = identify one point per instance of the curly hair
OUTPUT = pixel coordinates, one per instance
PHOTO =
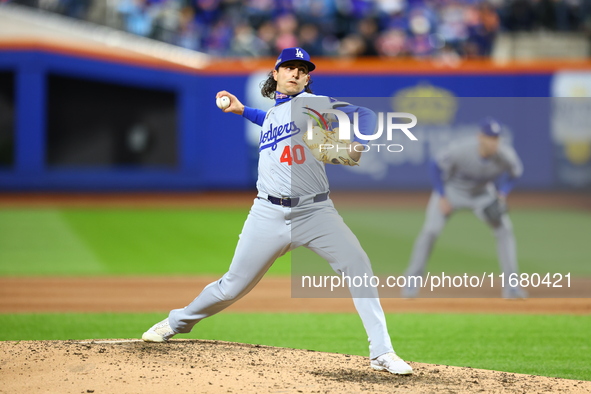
(269, 86)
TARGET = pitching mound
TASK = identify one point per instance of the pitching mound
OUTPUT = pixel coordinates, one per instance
(181, 366)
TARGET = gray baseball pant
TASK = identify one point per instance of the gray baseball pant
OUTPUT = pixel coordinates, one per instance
(271, 231)
(435, 222)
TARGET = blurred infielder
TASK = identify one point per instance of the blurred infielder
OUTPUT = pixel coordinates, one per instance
(293, 207)
(464, 176)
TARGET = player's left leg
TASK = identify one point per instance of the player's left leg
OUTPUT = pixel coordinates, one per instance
(434, 223)
(506, 248)
(326, 234)
(266, 235)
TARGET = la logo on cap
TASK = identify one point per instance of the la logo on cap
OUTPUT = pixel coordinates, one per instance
(294, 53)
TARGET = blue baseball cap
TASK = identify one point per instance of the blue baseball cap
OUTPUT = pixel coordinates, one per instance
(289, 54)
(490, 127)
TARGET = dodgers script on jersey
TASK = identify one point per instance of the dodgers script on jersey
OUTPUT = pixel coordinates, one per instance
(287, 167)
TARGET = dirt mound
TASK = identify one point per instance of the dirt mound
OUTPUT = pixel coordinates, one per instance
(181, 366)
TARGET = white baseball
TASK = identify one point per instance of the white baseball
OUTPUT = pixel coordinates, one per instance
(222, 102)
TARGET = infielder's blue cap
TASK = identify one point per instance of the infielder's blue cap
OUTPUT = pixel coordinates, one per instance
(289, 54)
(490, 127)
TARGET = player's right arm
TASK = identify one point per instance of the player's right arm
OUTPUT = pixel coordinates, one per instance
(506, 181)
(255, 115)
(367, 124)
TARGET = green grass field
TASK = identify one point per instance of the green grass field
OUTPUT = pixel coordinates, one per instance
(201, 241)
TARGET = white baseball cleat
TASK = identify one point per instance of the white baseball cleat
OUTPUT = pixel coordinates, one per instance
(159, 332)
(391, 363)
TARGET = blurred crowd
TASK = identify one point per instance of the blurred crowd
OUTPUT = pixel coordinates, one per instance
(337, 28)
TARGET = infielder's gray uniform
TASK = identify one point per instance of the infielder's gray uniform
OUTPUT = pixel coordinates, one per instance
(271, 230)
(468, 181)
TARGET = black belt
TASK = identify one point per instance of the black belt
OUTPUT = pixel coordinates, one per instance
(292, 202)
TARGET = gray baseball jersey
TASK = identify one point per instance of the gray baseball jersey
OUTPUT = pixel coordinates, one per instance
(466, 171)
(281, 142)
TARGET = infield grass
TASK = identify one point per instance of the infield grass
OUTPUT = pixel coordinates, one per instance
(548, 345)
(201, 241)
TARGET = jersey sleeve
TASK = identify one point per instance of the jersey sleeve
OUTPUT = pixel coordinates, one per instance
(445, 161)
(367, 118)
(255, 115)
(515, 166)
(506, 181)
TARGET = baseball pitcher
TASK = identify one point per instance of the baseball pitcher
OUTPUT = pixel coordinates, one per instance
(293, 207)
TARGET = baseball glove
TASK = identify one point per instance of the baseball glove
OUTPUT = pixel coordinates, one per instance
(495, 211)
(326, 146)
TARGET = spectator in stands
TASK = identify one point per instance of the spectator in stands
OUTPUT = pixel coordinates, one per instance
(189, 34)
(352, 46)
(319, 13)
(368, 31)
(310, 40)
(421, 28)
(258, 12)
(286, 25)
(167, 22)
(392, 43)
(267, 33)
(452, 25)
(483, 25)
(518, 15)
(246, 43)
(137, 16)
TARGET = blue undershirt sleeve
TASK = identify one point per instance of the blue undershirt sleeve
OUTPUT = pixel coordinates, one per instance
(255, 115)
(505, 184)
(367, 120)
